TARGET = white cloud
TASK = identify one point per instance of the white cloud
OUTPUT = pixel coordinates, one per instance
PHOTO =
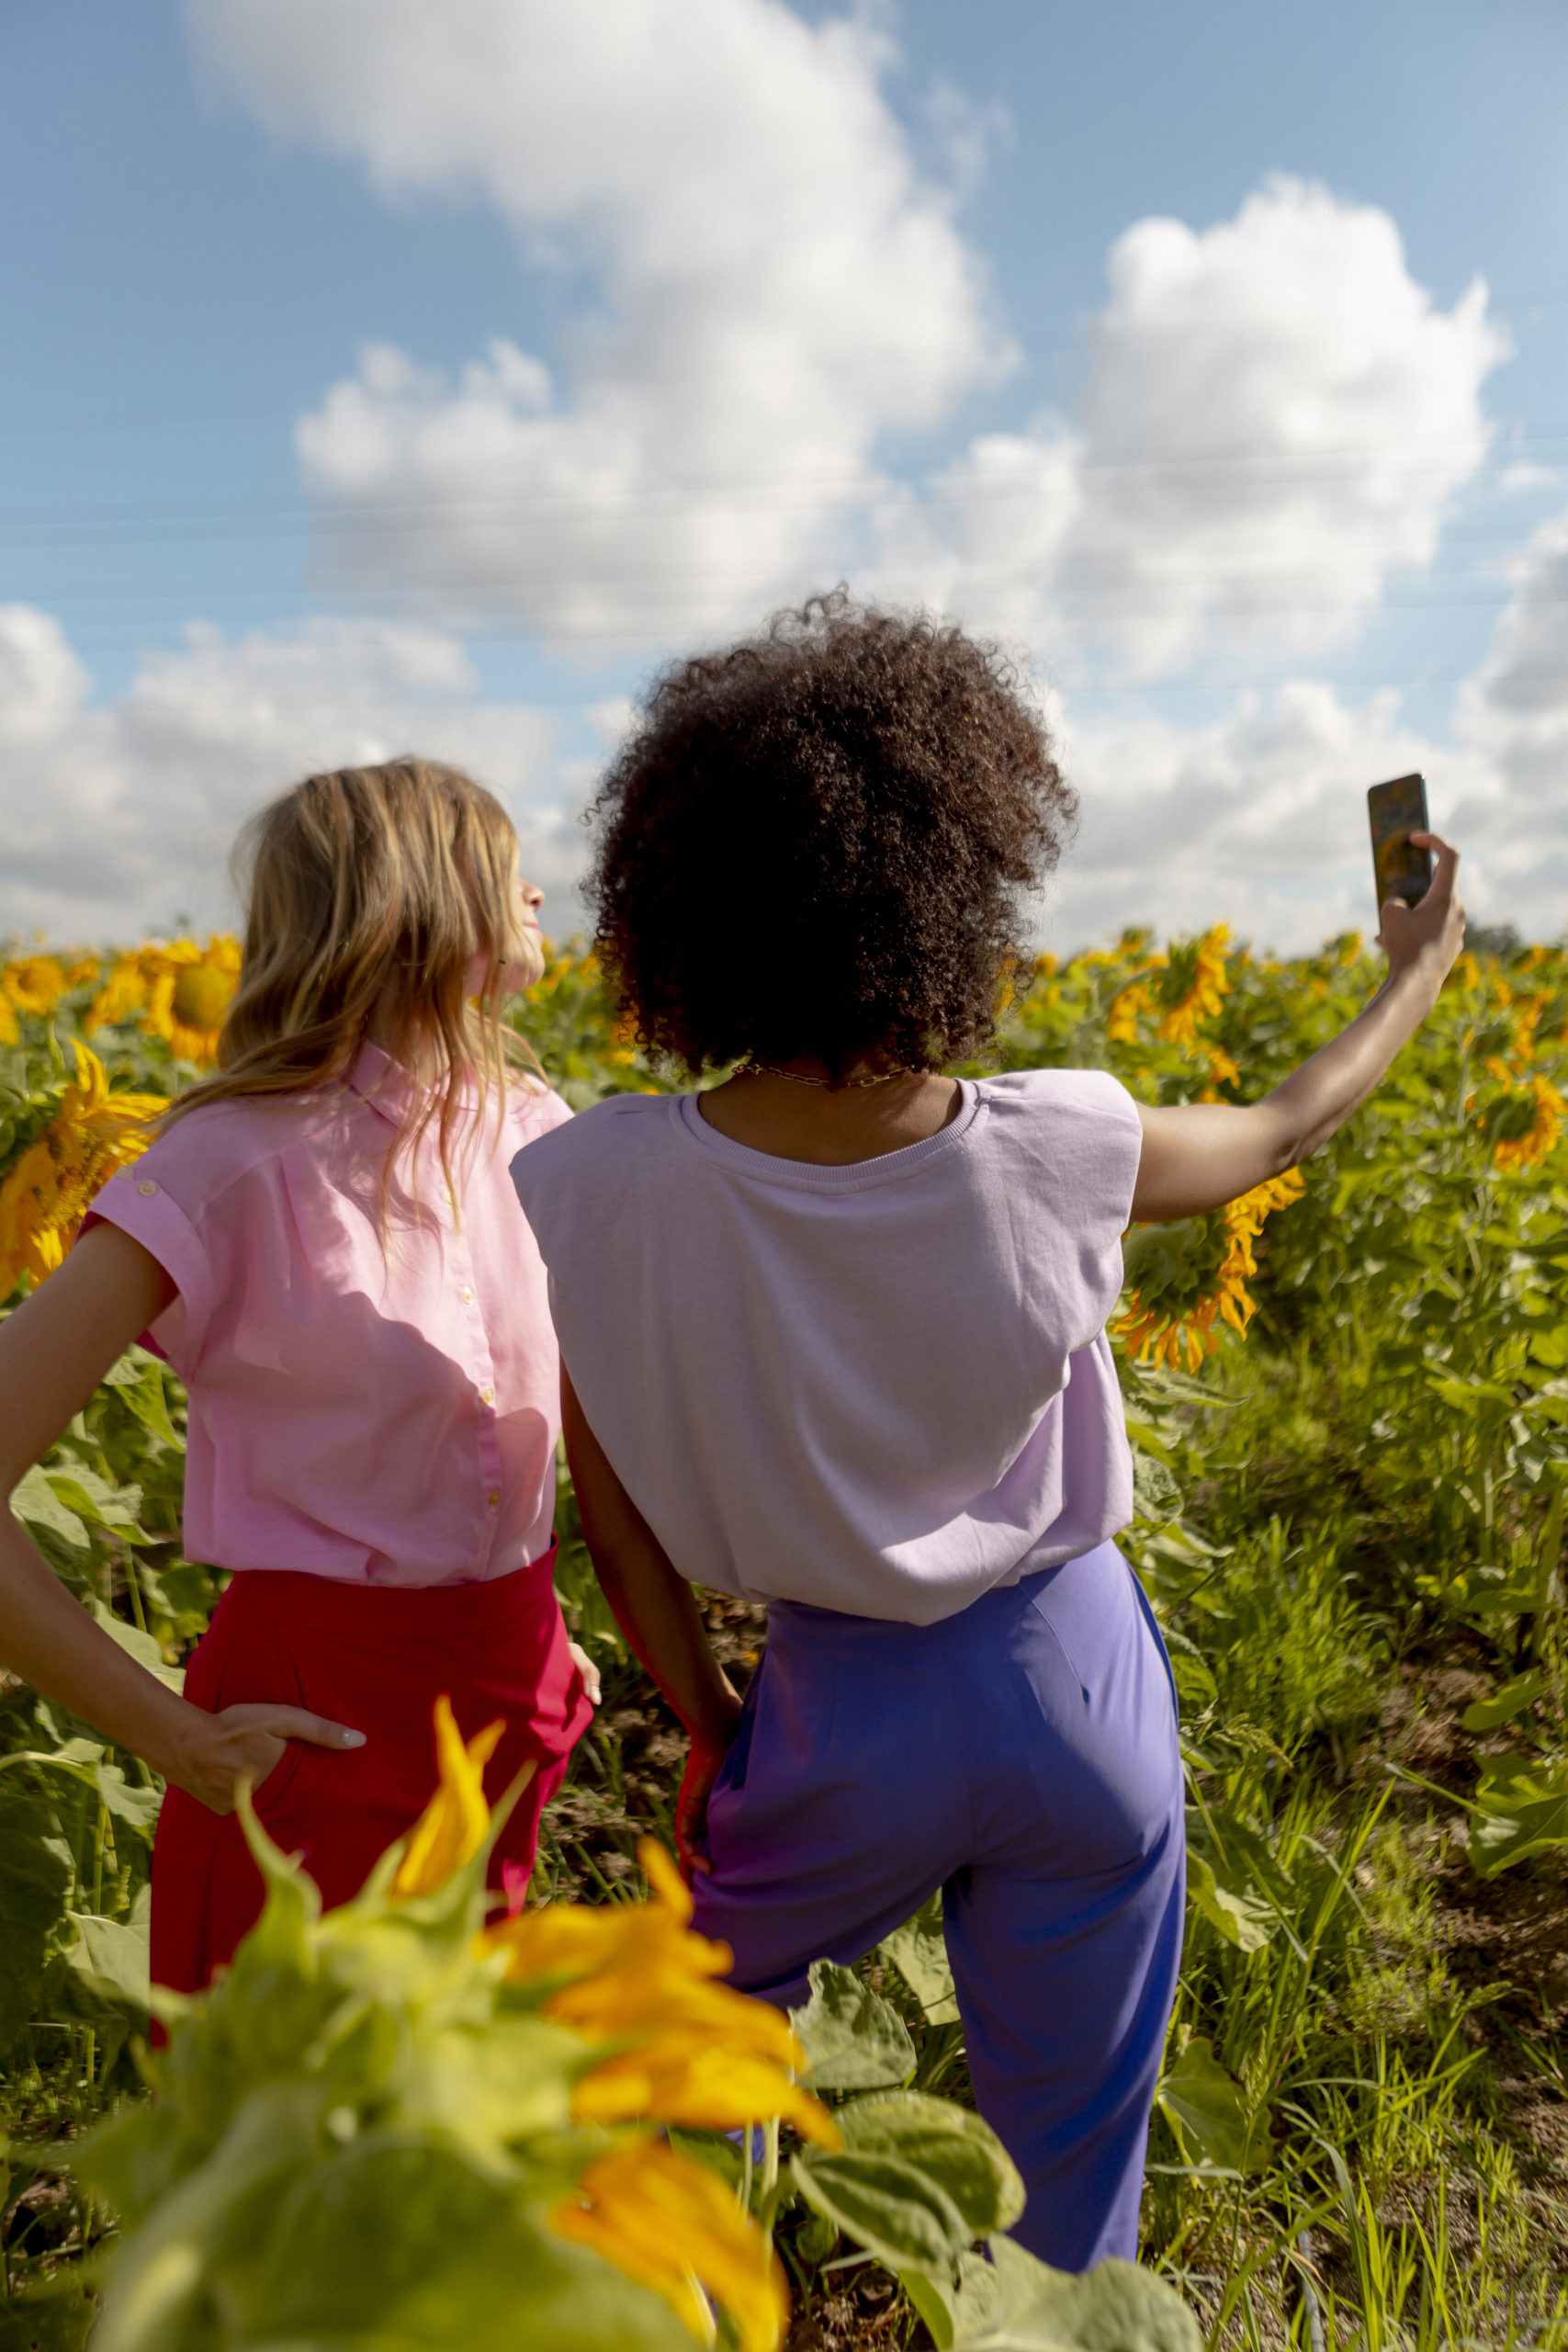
(1513, 716)
(118, 817)
(1258, 818)
(775, 288)
(1275, 418)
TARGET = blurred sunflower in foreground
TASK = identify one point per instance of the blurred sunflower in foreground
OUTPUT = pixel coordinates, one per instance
(635, 1982)
(396, 2123)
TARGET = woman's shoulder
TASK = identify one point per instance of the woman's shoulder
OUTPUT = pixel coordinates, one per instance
(594, 1145)
(209, 1150)
(618, 1121)
(532, 1109)
(1078, 1093)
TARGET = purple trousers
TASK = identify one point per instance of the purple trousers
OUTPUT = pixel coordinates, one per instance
(1021, 1756)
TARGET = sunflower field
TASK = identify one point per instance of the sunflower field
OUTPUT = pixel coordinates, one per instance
(402, 2125)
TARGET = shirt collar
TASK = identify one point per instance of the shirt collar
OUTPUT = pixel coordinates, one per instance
(391, 1089)
(385, 1084)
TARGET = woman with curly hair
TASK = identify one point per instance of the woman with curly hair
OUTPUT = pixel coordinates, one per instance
(833, 1332)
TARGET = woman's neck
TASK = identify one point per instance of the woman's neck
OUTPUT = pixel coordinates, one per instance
(833, 1126)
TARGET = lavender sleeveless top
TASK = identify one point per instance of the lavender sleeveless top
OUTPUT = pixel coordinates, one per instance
(881, 1390)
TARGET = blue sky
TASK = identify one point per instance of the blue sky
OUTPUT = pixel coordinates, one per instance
(1273, 511)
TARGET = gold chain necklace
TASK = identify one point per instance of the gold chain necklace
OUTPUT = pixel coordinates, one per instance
(800, 1077)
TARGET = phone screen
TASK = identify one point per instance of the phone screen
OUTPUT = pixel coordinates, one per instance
(1397, 810)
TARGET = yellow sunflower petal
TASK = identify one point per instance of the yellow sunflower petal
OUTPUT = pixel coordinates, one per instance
(452, 1828)
(664, 1879)
(699, 2083)
(669, 2223)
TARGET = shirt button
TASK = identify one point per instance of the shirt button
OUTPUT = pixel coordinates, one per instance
(493, 1498)
(146, 1187)
(467, 1295)
(488, 1395)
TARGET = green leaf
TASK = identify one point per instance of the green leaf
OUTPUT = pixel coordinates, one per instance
(1015, 2303)
(853, 2039)
(1522, 1810)
(158, 2282)
(140, 1807)
(395, 2241)
(93, 1499)
(112, 1959)
(1504, 1703)
(35, 1501)
(1242, 1917)
(1211, 2113)
(138, 1379)
(482, 2090)
(1156, 1492)
(1471, 1395)
(140, 1645)
(54, 2321)
(892, 2208)
(918, 1951)
(35, 1881)
(951, 2146)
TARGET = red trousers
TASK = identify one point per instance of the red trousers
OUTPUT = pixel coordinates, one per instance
(376, 1658)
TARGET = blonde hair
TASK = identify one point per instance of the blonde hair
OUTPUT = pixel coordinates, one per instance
(370, 892)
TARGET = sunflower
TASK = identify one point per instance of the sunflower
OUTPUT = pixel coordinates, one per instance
(664, 2044)
(1527, 1011)
(1185, 1278)
(1197, 985)
(1223, 1071)
(48, 1191)
(1122, 1021)
(452, 1827)
(672, 2225)
(123, 993)
(34, 984)
(1526, 1145)
(190, 990)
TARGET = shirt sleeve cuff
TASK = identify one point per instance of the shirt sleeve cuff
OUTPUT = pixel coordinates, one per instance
(143, 1209)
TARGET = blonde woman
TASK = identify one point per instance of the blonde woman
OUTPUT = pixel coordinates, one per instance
(315, 1241)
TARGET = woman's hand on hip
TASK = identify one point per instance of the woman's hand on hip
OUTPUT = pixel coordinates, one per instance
(247, 1743)
(588, 1673)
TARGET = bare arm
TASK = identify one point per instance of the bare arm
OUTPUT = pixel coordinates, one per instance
(1197, 1155)
(53, 1351)
(656, 1609)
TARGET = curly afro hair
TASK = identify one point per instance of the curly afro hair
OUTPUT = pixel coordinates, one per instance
(823, 841)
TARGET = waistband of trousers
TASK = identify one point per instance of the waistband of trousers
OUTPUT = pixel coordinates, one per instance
(806, 1622)
(331, 1605)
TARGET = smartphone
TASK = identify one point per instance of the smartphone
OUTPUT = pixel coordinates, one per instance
(1397, 810)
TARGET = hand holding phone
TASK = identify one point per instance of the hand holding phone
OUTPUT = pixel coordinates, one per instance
(1431, 933)
(1401, 864)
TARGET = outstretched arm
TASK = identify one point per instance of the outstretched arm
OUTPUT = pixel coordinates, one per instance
(656, 1609)
(1197, 1155)
(53, 1351)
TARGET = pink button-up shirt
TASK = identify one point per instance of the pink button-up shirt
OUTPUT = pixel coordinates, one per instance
(376, 1414)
